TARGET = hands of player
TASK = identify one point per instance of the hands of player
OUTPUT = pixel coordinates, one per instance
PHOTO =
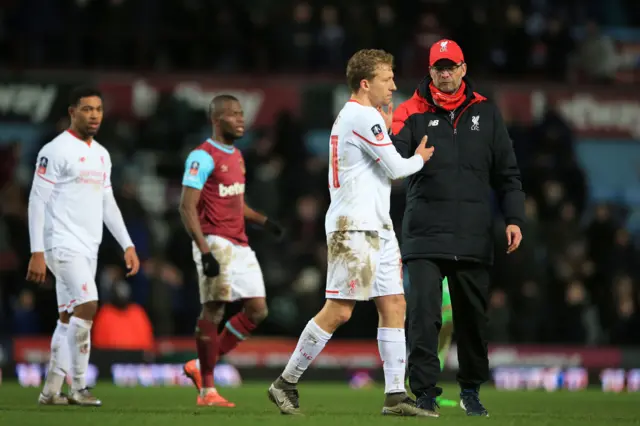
(132, 261)
(423, 151)
(210, 265)
(387, 115)
(514, 238)
(37, 270)
(274, 228)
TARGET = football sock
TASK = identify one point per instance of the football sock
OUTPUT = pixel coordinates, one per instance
(206, 345)
(392, 347)
(235, 331)
(79, 343)
(59, 362)
(311, 342)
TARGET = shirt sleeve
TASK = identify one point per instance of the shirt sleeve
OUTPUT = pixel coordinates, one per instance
(197, 169)
(107, 175)
(373, 139)
(47, 174)
(49, 166)
(112, 217)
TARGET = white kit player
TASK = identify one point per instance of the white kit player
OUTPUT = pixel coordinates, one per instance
(363, 254)
(70, 198)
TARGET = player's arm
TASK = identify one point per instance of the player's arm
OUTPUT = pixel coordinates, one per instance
(198, 168)
(112, 216)
(44, 181)
(375, 141)
(253, 216)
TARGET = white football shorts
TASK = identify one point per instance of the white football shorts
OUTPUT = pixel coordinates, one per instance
(362, 266)
(240, 274)
(75, 277)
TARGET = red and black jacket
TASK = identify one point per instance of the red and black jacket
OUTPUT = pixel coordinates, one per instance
(448, 214)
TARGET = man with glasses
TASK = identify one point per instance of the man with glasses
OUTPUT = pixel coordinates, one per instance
(447, 225)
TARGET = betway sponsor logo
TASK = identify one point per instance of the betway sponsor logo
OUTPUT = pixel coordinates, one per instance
(231, 190)
(28, 100)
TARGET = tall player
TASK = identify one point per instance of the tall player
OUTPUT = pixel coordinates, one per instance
(363, 253)
(213, 211)
(70, 199)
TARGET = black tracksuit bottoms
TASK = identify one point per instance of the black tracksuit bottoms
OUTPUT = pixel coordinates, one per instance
(469, 288)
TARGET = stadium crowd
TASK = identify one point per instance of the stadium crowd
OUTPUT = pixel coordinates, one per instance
(575, 278)
(514, 38)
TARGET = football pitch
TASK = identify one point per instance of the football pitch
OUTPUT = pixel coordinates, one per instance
(323, 404)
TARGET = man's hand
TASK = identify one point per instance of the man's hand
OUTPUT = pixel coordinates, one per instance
(514, 238)
(423, 151)
(387, 115)
(274, 228)
(210, 265)
(37, 270)
(132, 261)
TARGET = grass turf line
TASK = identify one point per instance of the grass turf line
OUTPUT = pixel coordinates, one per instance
(322, 403)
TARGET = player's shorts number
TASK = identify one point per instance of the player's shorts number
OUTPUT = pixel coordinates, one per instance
(334, 161)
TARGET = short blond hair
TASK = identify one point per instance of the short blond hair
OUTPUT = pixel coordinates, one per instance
(363, 64)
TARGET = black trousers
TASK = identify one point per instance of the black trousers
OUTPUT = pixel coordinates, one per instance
(469, 287)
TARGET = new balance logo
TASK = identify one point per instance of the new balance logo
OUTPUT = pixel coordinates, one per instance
(433, 123)
(231, 190)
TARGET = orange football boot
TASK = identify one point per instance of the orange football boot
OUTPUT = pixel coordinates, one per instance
(214, 399)
(192, 371)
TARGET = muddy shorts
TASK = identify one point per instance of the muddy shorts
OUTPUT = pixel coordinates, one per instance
(240, 274)
(362, 266)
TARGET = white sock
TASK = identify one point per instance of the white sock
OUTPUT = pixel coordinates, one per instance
(310, 344)
(393, 352)
(79, 340)
(205, 391)
(59, 362)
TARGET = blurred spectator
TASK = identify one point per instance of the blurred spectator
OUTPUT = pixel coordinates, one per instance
(331, 40)
(596, 56)
(572, 321)
(428, 32)
(122, 325)
(25, 317)
(499, 317)
(626, 327)
(556, 42)
(516, 43)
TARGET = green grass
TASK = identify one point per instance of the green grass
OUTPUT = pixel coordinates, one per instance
(323, 404)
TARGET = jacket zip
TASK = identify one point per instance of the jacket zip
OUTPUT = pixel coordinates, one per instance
(454, 122)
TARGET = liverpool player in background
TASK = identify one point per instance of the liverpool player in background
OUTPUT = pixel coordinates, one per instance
(70, 198)
(213, 211)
